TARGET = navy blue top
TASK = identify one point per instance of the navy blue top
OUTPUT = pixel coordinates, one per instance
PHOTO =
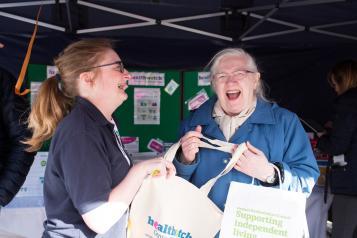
(84, 165)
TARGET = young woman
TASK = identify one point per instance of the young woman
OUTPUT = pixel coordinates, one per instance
(89, 180)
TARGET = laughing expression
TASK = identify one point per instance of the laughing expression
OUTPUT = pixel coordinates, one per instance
(235, 84)
(112, 79)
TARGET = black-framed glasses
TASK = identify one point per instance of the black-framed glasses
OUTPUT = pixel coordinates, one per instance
(119, 63)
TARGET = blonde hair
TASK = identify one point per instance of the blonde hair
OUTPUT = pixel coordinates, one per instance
(56, 94)
(344, 73)
(251, 64)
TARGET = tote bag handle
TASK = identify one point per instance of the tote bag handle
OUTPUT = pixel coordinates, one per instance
(213, 144)
(221, 145)
(206, 188)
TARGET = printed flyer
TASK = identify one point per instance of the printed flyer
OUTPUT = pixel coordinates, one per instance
(147, 106)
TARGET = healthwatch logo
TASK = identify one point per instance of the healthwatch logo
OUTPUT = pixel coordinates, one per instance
(161, 230)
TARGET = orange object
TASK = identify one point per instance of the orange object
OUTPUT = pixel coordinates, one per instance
(21, 77)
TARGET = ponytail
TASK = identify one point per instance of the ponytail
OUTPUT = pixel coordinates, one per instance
(49, 108)
(56, 95)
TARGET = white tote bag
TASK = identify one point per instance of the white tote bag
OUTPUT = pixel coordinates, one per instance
(261, 212)
(174, 207)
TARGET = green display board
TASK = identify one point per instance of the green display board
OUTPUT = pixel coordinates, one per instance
(192, 86)
(170, 109)
(36, 72)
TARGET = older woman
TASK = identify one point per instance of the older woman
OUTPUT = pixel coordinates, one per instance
(89, 180)
(240, 113)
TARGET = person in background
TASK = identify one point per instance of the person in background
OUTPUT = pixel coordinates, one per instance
(240, 113)
(89, 179)
(15, 162)
(341, 140)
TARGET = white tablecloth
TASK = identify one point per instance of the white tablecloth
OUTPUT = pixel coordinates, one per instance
(22, 222)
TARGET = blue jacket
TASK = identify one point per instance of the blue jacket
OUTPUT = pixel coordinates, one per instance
(274, 130)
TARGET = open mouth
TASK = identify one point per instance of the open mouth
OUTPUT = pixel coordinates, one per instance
(233, 94)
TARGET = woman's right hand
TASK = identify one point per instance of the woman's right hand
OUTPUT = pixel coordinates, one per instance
(189, 144)
(157, 167)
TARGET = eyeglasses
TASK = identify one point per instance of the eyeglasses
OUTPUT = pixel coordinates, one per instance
(119, 63)
(238, 74)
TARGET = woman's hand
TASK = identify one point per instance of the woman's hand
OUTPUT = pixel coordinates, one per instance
(157, 167)
(189, 144)
(254, 163)
(103, 217)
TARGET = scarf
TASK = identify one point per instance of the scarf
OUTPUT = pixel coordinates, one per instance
(229, 124)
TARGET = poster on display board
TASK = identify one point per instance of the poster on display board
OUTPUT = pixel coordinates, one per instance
(203, 78)
(152, 110)
(34, 87)
(197, 100)
(131, 144)
(147, 106)
(171, 87)
(147, 79)
(51, 71)
(35, 84)
(197, 89)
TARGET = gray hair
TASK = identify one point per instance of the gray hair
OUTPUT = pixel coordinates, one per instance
(252, 66)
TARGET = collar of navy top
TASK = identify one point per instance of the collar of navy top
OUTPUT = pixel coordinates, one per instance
(93, 112)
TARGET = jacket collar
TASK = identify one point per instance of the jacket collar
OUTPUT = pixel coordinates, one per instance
(263, 113)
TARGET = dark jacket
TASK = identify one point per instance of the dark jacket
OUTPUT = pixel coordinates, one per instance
(14, 161)
(342, 139)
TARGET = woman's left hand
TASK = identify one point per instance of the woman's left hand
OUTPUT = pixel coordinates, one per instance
(254, 163)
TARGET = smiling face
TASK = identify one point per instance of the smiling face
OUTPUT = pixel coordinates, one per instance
(235, 84)
(110, 80)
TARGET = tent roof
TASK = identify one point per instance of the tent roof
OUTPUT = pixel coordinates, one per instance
(259, 23)
(319, 16)
(295, 42)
